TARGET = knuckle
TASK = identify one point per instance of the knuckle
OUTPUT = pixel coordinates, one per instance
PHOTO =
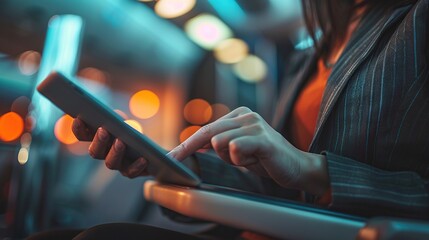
(206, 129)
(215, 141)
(183, 146)
(109, 165)
(254, 116)
(96, 153)
(130, 172)
(234, 147)
(92, 153)
(127, 173)
(257, 128)
(244, 109)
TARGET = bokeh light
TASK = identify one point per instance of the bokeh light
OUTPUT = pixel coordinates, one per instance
(29, 62)
(144, 104)
(93, 79)
(26, 140)
(134, 124)
(11, 126)
(23, 155)
(231, 50)
(207, 30)
(251, 69)
(217, 110)
(63, 130)
(173, 8)
(121, 113)
(93, 74)
(197, 111)
(187, 132)
(30, 123)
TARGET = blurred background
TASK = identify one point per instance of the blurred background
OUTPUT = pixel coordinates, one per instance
(167, 66)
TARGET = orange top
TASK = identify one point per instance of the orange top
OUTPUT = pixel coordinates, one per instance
(307, 107)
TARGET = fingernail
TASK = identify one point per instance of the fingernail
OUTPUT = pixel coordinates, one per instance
(172, 153)
(119, 146)
(102, 135)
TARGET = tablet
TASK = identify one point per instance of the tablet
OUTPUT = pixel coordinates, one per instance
(77, 102)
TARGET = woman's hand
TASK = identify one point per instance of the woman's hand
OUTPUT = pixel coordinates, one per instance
(104, 146)
(244, 138)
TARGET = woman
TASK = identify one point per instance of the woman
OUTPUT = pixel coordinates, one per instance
(351, 128)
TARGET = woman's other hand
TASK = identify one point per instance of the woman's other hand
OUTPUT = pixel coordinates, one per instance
(104, 146)
(244, 138)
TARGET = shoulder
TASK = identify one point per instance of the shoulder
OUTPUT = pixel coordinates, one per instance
(420, 12)
(418, 22)
(413, 30)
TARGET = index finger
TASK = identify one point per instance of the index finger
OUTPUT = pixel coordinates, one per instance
(82, 131)
(202, 137)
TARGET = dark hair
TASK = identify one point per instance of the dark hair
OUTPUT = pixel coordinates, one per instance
(332, 18)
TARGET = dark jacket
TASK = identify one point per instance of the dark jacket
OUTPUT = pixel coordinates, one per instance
(373, 125)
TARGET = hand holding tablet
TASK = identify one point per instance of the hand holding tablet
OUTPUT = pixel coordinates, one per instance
(93, 114)
(112, 151)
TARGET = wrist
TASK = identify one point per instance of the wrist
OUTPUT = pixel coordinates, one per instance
(314, 176)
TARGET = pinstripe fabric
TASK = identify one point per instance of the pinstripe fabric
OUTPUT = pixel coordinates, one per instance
(373, 124)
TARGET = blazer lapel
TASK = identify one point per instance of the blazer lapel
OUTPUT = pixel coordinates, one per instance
(357, 50)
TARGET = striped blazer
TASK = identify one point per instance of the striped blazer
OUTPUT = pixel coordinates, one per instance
(373, 125)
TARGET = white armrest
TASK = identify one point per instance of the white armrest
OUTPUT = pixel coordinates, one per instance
(276, 220)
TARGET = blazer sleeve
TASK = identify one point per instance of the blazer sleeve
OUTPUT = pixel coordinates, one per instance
(361, 189)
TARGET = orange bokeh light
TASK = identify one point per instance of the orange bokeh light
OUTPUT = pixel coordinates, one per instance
(134, 124)
(197, 111)
(63, 130)
(11, 126)
(187, 132)
(144, 104)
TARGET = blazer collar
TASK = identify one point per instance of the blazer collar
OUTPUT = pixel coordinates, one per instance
(357, 50)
